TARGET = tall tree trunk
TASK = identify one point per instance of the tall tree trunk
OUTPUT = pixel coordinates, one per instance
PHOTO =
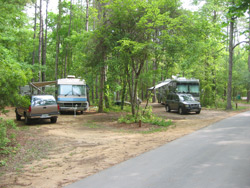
(101, 95)
(87, 29)
(45, 41)
(106, 89)
(40, 40)
(66, 55)
(154, 80)
(102, 15)
(248, 92)
(96, 88)
(58, 26)
(230, 68)
(34, 38)
(249, 41)
(87, 15)
(43, 58)
(124, 86)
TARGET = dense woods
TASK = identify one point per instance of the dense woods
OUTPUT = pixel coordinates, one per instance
(123, 47)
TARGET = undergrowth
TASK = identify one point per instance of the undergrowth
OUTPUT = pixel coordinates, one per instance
(7, 138)
(145, 116)
(117, 108)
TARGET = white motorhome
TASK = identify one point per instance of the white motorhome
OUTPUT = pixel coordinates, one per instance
(72, 94)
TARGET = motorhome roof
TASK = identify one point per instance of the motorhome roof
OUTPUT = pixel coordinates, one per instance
(71, 81)
(71, 76)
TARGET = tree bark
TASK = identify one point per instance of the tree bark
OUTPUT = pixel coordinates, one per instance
(249, 41)
(45, 41)
(96, 88)
(154, 80)
(101, 95)
(58, 39)
(34, 38)
(66, 54)
(230, 68)
(40, 39)
(87, 15)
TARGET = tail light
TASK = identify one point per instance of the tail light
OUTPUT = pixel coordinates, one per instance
(29, 108)
(58, 107)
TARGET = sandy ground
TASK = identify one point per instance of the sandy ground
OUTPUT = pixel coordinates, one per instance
(86, 144)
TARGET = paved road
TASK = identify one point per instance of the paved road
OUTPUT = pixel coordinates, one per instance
(214, 157)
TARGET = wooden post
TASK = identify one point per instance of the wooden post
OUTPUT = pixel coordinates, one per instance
(139, 123)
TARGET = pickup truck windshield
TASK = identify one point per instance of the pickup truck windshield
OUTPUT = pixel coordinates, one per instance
(72, 90)
(43, 100)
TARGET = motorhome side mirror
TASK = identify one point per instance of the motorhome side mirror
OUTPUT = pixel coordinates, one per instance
(56, 92)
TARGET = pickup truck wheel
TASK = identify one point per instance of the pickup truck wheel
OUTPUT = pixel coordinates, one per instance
(27, 120)
(53, 119)
(180, 110)
(18, 117)
(198, 112)
(167, 108)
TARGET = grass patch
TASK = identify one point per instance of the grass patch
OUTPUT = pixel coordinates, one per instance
(26, 148)
(92, 125)
(117, 108)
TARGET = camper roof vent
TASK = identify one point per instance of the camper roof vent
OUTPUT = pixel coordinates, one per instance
(71, 76)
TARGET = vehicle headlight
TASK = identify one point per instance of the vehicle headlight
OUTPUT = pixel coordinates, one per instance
(187, 105)
(199, 106)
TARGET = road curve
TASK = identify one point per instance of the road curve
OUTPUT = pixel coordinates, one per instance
(217, 156)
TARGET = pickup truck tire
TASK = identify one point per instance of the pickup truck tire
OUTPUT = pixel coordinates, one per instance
(18, 117)
(198, 112)
(53, 119)
(27, 120)
(180, 111)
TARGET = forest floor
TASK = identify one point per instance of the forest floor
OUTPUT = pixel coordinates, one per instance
(55, 155)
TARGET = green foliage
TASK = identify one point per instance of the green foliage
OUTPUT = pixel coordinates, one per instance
(22, 101)
(146, 116)
(117, 108)
(5, 136)
(15, 38)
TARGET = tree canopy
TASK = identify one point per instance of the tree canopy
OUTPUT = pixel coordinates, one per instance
(123, 47)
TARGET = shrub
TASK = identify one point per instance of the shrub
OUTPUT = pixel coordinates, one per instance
(6, 138)
(146, 116)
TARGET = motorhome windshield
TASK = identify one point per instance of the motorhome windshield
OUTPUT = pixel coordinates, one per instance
(72, 90)
(194, 88)
(182, 88)
(188, 88)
